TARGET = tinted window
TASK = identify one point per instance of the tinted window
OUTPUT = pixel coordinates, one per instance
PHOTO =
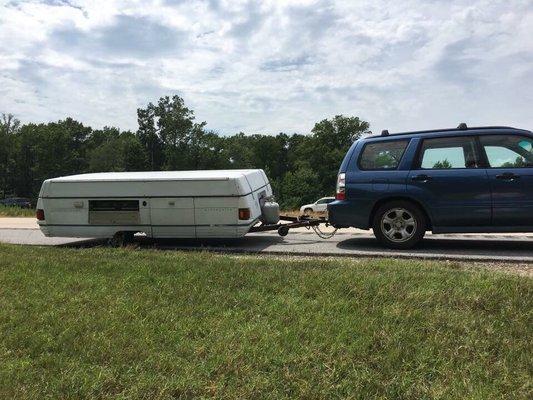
(508, 151)
(382, 155)
(447, 153)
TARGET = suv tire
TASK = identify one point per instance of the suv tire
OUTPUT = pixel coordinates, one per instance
(399, 224)
(308, 211)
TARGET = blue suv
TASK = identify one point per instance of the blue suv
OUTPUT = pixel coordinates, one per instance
(447, 181)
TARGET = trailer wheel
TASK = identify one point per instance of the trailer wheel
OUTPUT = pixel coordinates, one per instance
(121, 239)
(283, 231)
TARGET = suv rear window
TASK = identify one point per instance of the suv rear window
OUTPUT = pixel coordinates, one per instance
(382, 155)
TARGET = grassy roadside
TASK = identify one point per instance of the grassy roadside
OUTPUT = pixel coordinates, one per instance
(16, 212)
(120, 323)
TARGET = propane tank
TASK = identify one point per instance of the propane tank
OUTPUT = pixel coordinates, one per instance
(270, 211)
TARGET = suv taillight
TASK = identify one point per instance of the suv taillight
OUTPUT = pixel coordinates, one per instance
(341, 187)
(40, 214)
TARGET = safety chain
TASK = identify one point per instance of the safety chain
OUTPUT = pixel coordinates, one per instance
(323, 235)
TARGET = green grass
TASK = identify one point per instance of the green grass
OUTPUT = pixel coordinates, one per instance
(16, 212)
(124, 323)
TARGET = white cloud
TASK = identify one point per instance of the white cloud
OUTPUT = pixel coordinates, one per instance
(270, 66)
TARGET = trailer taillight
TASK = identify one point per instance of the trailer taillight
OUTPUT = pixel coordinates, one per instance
(39, 214)
(244, 213)
(341, 187)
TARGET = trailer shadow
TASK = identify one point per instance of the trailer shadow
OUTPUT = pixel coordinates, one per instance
(249, 243)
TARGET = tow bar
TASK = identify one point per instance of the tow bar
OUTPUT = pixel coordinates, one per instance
(296, 222)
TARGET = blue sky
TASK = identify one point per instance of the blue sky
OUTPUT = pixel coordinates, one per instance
(270, 66)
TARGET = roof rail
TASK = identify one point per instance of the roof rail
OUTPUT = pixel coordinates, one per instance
(462, 127)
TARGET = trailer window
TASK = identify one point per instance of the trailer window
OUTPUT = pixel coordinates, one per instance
(114, 212)
(113, 205)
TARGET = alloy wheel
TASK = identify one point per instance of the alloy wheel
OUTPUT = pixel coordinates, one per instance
(398, 225)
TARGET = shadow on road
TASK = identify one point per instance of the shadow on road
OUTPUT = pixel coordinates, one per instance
(448, 246)
(308, 244)
(248, 243)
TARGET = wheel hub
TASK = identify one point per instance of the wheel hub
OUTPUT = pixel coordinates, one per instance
(398, 225)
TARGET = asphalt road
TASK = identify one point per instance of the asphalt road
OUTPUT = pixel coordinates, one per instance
(470, 247)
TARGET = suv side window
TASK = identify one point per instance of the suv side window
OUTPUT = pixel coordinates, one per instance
(448, 153)
(508, 151)
(382, 155)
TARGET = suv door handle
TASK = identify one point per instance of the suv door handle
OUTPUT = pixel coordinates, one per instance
(421, 178)
(507, 176)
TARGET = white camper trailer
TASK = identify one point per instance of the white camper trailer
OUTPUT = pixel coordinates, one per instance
(166, 204)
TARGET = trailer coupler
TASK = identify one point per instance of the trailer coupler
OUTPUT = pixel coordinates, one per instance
(295, 222)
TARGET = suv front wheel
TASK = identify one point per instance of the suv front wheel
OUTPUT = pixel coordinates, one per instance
(399, 224)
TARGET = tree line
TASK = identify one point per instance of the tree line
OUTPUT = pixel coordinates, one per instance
(301, 168)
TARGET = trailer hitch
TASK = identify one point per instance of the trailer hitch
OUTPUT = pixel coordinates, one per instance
(295, 222)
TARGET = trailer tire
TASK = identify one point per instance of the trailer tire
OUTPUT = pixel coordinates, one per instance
(283, 231)
(121, 239)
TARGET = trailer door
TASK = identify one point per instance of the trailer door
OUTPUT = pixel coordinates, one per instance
(172, 217)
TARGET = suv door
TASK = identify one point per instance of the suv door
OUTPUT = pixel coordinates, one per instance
(448, 179)
(510, 171)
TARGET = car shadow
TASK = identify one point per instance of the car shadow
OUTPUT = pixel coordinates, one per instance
(432, 245)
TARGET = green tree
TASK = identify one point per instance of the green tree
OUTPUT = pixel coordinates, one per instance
(299, 187)
(444, 164)
(9, 128)
(325, 149)
(48, 150)
(111, 150)
(148, 137)
(519, 162)
(134, 157)
(168, 131)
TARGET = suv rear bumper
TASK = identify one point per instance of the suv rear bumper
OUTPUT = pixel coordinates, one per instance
(348, 213)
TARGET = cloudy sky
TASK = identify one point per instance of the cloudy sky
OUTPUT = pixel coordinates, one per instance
(270, 66)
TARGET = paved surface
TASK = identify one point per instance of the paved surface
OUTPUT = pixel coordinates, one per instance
(353, 242)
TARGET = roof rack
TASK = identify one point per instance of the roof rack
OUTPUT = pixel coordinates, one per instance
(462, 127)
